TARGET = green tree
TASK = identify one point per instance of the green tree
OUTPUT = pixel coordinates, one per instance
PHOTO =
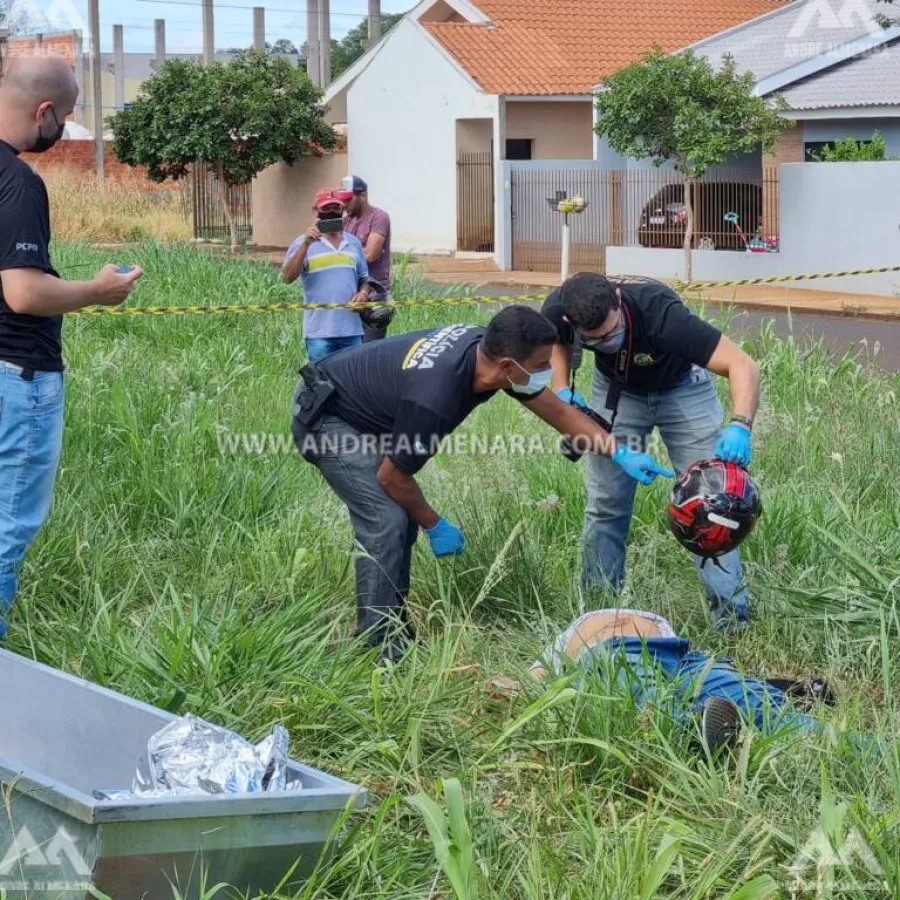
(852, 150)
(238, 117)
(351, 47)
(282, 46)
(679, 109)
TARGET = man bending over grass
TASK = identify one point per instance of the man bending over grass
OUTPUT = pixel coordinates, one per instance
(36, 96)
(648, 654)
(370, 418)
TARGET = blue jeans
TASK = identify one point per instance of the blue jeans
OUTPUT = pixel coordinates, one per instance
(646, 665)
(689, 417)
(31, 428)
(319, 348)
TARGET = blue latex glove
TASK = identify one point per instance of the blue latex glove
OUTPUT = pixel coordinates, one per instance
(565, 394)
(734, 445)
(446, 539)
(641, 467)
(124, 270)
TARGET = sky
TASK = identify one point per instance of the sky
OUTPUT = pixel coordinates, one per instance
(233, 18)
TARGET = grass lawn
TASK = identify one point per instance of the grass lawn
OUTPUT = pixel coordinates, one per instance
(222, 583)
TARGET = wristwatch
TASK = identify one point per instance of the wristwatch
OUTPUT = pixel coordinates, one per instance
(743, 420)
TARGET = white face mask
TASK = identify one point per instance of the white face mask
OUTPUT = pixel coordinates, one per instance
(537, 381)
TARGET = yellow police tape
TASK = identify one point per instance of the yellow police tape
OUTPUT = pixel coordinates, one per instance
(448, 301)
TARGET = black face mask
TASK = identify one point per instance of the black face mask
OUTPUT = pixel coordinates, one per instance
(330, 215)
(43, 143)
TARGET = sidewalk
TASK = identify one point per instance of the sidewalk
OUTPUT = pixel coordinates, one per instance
(481, 275)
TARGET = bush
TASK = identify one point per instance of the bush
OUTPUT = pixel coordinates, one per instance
(852, 150)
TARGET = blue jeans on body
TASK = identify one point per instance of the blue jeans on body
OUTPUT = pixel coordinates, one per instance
(31, 429)
(320, 348)
(689, 417)
(645, 665)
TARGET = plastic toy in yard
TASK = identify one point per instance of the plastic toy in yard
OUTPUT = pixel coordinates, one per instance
(756, 244)
(714, 508)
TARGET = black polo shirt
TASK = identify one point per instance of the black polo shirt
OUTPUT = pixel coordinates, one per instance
(33, 342)
(414, 389)
(668, 338)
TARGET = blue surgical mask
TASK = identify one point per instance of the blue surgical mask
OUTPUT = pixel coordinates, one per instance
(537, 381)
(610, 344)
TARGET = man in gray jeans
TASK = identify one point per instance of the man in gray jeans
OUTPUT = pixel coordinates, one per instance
(369, 418)
(654, 360)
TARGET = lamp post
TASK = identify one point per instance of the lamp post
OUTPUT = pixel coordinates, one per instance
(567, 206)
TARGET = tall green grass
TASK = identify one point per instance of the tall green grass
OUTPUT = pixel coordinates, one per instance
(223, 584)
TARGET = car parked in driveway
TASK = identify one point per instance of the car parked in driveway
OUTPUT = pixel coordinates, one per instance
(664, 218)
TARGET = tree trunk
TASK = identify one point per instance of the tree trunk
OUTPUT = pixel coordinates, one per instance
(225, 197)
(688, 229)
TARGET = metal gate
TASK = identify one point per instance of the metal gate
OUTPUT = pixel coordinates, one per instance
(475, 202)
(210, 223)
(537, 226)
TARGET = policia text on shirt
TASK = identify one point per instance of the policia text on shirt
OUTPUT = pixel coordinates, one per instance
(425, 383)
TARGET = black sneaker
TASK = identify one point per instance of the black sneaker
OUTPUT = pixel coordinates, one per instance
(720, 723)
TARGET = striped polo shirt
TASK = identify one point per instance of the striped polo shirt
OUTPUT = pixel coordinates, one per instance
(331, 275)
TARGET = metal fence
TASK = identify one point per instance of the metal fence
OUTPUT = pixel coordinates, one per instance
(475, 202)
(210, 223)
(733, 207)
(536, 227)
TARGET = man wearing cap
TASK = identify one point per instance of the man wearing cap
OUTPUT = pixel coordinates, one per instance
(333, 268)
(373, 228)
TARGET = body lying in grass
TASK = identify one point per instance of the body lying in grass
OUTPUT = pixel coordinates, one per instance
(658, 666)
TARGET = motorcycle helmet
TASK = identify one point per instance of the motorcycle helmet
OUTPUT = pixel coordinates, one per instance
(378, 317)
(715, 505)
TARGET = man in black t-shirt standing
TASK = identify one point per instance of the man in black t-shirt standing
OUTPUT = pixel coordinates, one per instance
(36, 96)
(653, 364)
(369, 418)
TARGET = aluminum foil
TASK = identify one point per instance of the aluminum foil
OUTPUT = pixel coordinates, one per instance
(190, 757)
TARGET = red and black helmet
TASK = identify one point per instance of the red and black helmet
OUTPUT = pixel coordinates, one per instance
(715, 506)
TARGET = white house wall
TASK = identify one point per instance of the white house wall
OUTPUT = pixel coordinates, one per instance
(402, 114)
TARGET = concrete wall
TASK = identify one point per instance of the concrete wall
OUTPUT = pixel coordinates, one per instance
(283, 197)
(834, 217)
(560, 130)
(402, 113)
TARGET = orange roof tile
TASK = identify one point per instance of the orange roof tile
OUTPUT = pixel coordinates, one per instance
(546, 47)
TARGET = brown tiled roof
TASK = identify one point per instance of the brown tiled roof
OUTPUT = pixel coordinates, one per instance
(547, 47)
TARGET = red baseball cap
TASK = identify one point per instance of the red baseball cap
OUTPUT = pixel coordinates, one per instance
(327, 197)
